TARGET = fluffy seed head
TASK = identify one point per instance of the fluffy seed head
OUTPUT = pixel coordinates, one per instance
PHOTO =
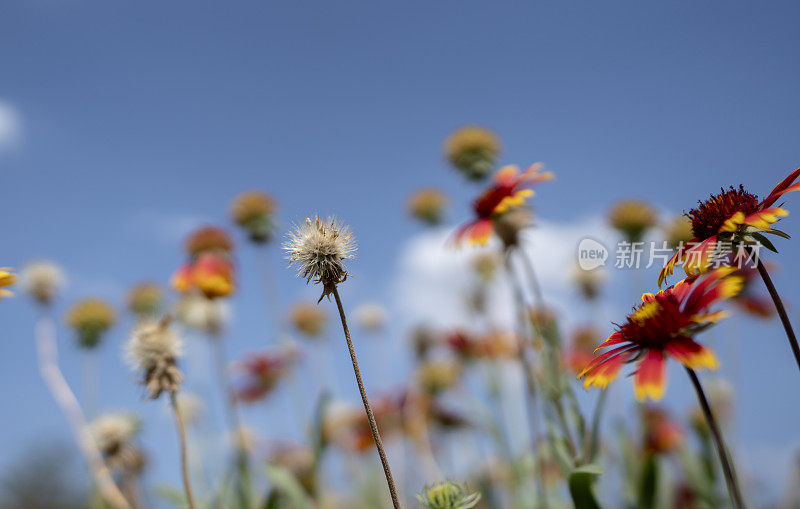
(114, 432)
(42, 280)
(318, 249)
(204, 315)
(153, 350)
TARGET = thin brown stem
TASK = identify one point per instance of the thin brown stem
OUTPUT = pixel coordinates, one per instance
(727, 468)
(66, 400)
(787, 325)
(373, 426)
(187, 486)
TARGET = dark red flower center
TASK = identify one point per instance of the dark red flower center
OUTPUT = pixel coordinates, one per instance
(653, 324)
(708, 217)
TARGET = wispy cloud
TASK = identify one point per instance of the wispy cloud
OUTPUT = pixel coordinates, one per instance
(10, 126)
(166, 227)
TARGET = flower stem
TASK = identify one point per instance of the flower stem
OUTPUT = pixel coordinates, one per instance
(66, 400)
(787, 325)
(182, 436)
(727, 468)
(370, 416)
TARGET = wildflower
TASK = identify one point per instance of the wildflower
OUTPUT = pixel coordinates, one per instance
(297, 459)
(504, 194)
(90, 318)
(663, 325)
(427, 205)
(632, 218)
(510, 225)
(473, 150)
(735, 216)
(662, 434)
(308, 319)
(492, 345)
(435, 376)
(42, 280)
(319, 250)
(262, 371)
(6, 279)
(486, 265)
(145, 299)
(253, 211)
(371, 316)
(589, 281)
(208, 239)
(199, 313)
(153, 351)
(211, 274)
(579, 353)
(448, 495)
(114, 434)
(678, 232)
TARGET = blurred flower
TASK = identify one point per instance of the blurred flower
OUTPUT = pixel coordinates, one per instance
(90, 318)
(510, 225)
(260, 372)
(153, 350)
(145, 299)
(319, 251)
(734, 216)
(191, 407)
(435, 376)
(504, 194)
(632, 218)
(6, 279)
(210, 273)
(199, 313)
(114, 434)
(208, 239)
(348, 427)
(42, 280)
(297, 459)
(678, 231)
(308, 319)
(581, 348)
(253, 211)
(721, 399)
(748, 300)
(448, 495)
(662, 434)
(427, 205)
(371, 316)
(486, 264)
(472, 150)
(423, 339)
(491, 345)
(663, 325)
(589, 281)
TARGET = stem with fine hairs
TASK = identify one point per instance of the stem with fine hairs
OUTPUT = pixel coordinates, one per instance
(173, 400)
(47, 350)
(373, 426)
(727, 468)
(787, 325)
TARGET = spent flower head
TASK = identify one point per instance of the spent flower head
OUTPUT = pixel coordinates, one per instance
(42, 280)
(427, 206)
(632, 218)
(91, 318)
(318, 248)
(253, 211)
(153, 351)
(145, 299)
(448, 495)
(473, 150)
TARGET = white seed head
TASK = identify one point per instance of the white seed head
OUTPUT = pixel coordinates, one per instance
(204, 315)
(318, 249)
(42, 280)
(153, 350)
(191, 407)
(113, 432)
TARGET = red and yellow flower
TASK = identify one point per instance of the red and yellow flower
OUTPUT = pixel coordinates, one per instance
(210, 273)
(506, 192)
(663, 326)
(261, 372)
(735, 216)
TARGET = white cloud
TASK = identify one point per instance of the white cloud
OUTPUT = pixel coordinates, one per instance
(434, 278)
(10, 126)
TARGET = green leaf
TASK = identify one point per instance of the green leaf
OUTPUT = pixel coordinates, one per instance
(648, 483)
(764, 241)
(285, 482)
(779, 233)
(580, 486)
(171, 495)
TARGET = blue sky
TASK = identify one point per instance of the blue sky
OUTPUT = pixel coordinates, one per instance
(127, 124)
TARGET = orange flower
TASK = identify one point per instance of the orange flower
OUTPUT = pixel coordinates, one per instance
(663, 326)
(734, 215)
(505, 193)
(211, 274)
(662, 434)
(208, 238)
